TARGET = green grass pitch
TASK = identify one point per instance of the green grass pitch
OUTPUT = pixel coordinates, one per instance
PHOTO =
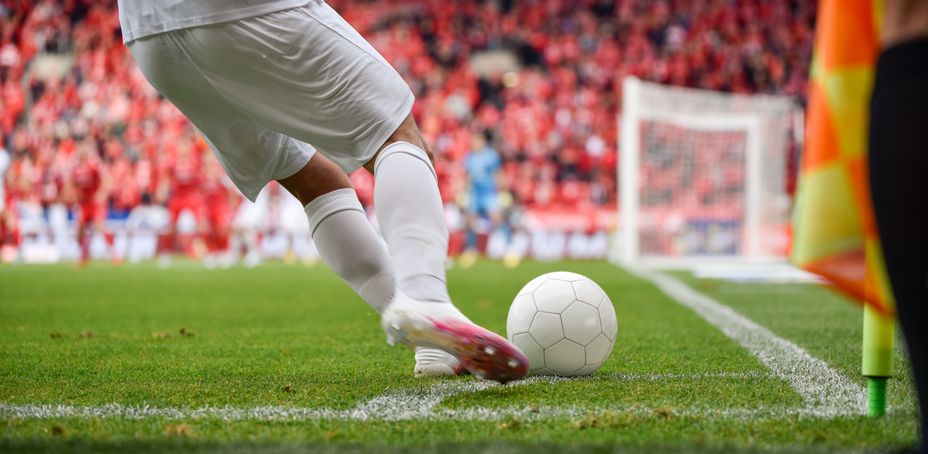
(291, 337)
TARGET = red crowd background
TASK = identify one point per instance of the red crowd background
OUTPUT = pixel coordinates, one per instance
(71, 96)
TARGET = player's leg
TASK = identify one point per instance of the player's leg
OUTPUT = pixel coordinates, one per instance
(252, 155)
(210, 242)
(415, 232)
(339, 227)
(217, 234)
(83, 245)
(99, 225)
(411, 217)
(407, 200)
(898, 169)
(243, 244)
(200, 239)
(323, 84)
(9, 236)
(297, 99)
(251, 235)
(167, 238)
(84, 233)
(295, 229)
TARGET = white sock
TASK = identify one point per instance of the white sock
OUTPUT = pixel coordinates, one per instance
(412, 220)
(347, 242)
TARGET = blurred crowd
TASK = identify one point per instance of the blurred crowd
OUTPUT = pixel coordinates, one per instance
(519, 100)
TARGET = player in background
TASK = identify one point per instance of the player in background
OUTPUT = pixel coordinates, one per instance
(54, 201)
(147, 219)
(262, 81)
(295, 231)
(179, 187)
(218, 200)
(483, 165)
(287, 233)
(249, 221)
(89, 190)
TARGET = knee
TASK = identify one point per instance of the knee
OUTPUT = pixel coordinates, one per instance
(413, 138)
(409, 132)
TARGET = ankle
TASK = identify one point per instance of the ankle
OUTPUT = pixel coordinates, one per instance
(425, 287)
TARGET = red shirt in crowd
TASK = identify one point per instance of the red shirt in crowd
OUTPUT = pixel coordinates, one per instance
(87, 180)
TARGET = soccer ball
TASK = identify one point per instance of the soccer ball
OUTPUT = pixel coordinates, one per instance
(564, 323)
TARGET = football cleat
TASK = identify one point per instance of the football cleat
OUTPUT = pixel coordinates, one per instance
(432, 362)
(482, 352)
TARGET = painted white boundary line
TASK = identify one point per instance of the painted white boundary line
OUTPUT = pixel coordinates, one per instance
(276, 413)
(402, 404)
(690, 376)
(421, 404)
(823, 390)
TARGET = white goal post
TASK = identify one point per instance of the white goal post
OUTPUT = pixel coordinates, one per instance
(703, 175)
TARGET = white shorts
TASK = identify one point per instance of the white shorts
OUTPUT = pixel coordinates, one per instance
(262, 89)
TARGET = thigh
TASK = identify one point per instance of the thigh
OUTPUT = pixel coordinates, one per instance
(250, 153)
(306, 73)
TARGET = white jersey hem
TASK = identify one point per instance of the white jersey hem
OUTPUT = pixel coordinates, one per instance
(130, 34)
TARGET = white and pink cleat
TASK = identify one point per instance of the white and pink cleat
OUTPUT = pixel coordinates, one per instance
(432, 362)
(480, 351)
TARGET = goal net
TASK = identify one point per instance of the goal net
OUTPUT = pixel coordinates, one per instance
(703, 175)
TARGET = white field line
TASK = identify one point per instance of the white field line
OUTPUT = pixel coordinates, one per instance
(277, 413)
(823, 390)
(409, 403)
(418, 403)
(415, 403)
(421, 404)
(690, 376)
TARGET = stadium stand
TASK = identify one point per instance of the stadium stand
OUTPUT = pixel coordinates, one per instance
(541, 79)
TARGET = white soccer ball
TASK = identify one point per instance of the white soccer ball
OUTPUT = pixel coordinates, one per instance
(564, 323)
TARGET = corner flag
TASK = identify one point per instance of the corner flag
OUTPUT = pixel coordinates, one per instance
(834, 230)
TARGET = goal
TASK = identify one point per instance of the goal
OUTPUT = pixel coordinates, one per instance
(703, 175)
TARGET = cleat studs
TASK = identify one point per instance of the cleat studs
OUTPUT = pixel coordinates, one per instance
(513, 363)
(489, 350)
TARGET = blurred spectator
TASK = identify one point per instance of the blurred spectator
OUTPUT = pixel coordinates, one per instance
(87, 186)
